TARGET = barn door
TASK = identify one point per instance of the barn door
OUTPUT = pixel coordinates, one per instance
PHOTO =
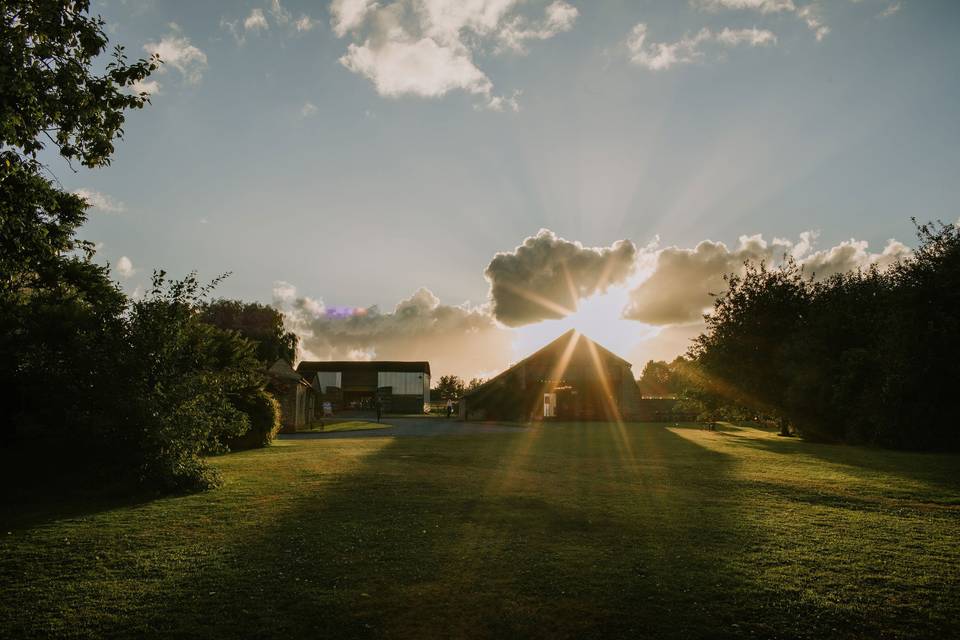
(549, 405)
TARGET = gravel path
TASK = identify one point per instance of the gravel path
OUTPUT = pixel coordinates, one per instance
(402, 427)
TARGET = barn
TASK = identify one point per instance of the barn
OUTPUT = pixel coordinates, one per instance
(572, 378)
(401, 387)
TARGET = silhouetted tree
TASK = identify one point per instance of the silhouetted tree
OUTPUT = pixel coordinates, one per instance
(257, 322)
(743, 352)
(449, 388)
(56, 306)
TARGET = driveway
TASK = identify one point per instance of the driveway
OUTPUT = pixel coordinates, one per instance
(403, 427)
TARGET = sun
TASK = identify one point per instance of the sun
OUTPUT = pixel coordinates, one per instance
(599, 317)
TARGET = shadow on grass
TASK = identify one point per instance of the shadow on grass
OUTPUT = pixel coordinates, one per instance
(561, 530)
(43, 483)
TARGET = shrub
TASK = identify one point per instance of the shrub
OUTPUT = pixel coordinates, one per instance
(263, 410)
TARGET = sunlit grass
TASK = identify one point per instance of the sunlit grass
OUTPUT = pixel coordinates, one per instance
(548, 532)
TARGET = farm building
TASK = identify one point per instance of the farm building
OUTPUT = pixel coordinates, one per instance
(298, 400)
(401, 387)
(572, 378)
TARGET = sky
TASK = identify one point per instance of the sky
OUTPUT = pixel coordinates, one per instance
(461, 182)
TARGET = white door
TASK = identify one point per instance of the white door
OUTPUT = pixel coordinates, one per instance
(549, 405)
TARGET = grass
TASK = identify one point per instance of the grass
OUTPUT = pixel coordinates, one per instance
(562, 530)
(349, 425)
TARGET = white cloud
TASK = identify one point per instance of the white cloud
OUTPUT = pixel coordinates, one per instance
(176, 51)
(763, 6)
(150, 87)
(559, 17)
(346, 15)
(260, 20)
(256, 21)
(810, 13)
(422, 67)
(427, 48)
(101, 201)
(753, 37)
(124, 267)
(659, 56)
(459, 339)
(305, 23)
(308, 109)
(678, 291)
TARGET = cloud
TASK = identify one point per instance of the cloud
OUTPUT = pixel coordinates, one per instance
(559, 17)
(176, 52)
(308, 109)
(851, 255)
(427, 48)
(260, 20)
(124, 267)
(891, 9)
(150, 87)
(753, 37)
(256, 21)
(546, 276)
(462, 340)
(679, 289)
(810, 13)
(422, 67)
(346, 15)
(304, 23)
(763, 6)
(100, 201)
(659, 56)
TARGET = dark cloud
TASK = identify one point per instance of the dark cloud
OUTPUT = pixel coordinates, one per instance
(546, 275)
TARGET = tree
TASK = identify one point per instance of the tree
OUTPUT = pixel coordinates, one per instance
(743, 352)
(449, 388)
(56, 307)
(182, 388)
(657, 379)
(257, 322)
(474, 383)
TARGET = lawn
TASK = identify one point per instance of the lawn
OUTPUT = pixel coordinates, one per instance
(556, 531)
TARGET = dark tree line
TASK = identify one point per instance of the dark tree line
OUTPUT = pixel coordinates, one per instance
(866, 357)
(137, 389)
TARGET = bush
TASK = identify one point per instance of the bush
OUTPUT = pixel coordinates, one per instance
(263, 410)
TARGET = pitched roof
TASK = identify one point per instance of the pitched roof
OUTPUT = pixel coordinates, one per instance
(558, 344)
(282, 369)
(308, 368)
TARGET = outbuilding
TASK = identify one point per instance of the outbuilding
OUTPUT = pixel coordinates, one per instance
(572, 378)
(400, 387)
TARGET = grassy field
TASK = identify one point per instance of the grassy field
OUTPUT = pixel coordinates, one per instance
(556, 531)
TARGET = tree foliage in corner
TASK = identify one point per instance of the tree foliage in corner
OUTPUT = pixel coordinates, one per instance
(57, 308)
(134, 388)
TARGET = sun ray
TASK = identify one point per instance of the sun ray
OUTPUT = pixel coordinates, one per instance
(536, 298)
(613, 411)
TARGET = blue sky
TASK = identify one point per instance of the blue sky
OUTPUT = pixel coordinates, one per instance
(342, 156)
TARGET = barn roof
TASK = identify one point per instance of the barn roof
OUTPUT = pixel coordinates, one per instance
(309, 368)
(557, 345)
